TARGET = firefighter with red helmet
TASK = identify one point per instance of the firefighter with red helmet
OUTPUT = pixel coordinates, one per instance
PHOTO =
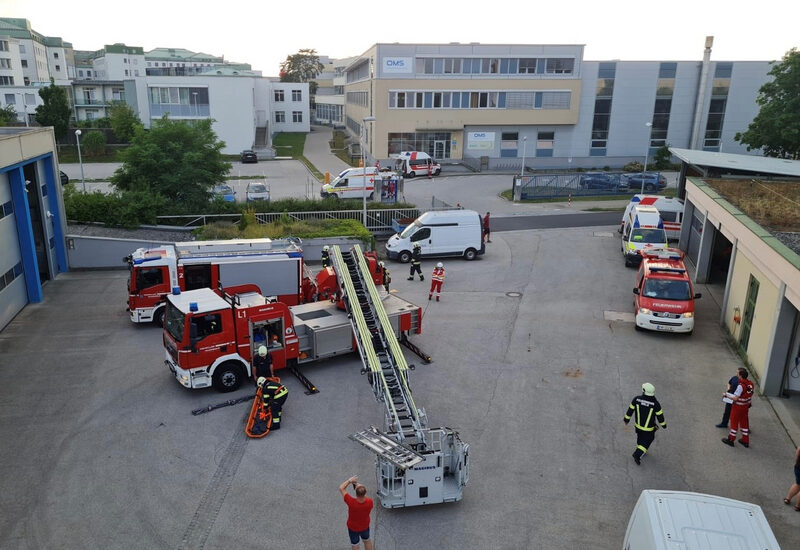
(437, 278)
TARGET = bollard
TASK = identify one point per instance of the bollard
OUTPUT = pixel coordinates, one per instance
(327, 177)
(569, 200)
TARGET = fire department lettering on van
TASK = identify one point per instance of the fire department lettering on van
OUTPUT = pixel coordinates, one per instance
(663, 296)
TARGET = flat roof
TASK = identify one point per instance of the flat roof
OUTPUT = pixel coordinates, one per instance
(731, 161)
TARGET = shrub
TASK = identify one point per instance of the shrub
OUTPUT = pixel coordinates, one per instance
(94, 144)
(634, 166)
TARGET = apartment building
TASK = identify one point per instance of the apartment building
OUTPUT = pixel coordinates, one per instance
(544, 103)
(329, 97)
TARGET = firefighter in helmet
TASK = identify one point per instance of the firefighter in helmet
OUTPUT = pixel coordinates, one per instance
(385, 276)
(262, 362)
(326, 258)
(647, 410)
(416, 263)
(273, 395)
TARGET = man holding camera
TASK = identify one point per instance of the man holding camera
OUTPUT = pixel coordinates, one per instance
(358, 510)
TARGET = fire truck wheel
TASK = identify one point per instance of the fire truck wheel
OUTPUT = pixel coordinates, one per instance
(228, 377)
(158, 317)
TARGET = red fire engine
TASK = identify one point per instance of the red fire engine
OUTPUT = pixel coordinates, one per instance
(275, 267)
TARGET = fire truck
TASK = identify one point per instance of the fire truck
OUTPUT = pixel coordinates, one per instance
(275, 267)
(210, 338)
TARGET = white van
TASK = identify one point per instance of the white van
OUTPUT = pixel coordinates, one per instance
(643, 227)
(415, 163)
(679, 520)
(671, 211)
(440, 233)
(349, 184)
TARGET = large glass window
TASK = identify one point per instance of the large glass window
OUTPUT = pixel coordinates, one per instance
(436, 144)
(297, 95)
(527, 65)
(278, 95)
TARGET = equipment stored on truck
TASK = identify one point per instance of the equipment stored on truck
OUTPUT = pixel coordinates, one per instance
(275, 267)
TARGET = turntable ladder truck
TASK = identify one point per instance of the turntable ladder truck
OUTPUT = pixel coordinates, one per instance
(415, 464)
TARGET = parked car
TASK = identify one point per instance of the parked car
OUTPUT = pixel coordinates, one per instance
(64, 178)
(224, 192)
(257, 191)
(249, 156)
(652, 182)
(600, 180)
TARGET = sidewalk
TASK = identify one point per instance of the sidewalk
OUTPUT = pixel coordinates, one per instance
(318, 151)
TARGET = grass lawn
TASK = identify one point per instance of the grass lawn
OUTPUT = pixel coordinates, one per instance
(291, 144)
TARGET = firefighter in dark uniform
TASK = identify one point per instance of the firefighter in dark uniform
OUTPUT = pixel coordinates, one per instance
(262, 363)
(416, 263)
(274, 395)
(385, 276)
(326, 258)
(647, 410)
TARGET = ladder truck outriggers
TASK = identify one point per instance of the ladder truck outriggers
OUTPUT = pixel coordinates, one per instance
(415, 464)
(210, 337)
(275, 267)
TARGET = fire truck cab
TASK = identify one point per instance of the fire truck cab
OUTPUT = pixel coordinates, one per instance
(663, 298)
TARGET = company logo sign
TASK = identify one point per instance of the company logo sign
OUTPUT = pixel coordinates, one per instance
(480, 141)
(398, 65)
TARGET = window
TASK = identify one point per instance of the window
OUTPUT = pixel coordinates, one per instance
(4, 46)
(559, 66)
(749, 311)
(58, 68)
(607, 70)
(527, 65)
(297, 116)
(508, 144)
(667, 70)
(553, 100)
(88, 72)
(278, 95)
(80, 72)
(55, 55)
(280, 116)
(6, 80)
(5, 63)
(723, 70)
(11, 99)
(544, 144)
(206, 325)
(297, 95)
(147, 277)
(24, 63)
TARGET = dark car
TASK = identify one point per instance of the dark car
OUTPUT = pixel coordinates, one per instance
(249, 156)
(652, 182)
(600, 180)
(64, 178)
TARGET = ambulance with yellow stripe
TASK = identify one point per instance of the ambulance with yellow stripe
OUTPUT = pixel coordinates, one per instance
(643, 228)
(350, 183)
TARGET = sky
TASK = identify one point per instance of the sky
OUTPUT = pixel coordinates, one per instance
(264, 32)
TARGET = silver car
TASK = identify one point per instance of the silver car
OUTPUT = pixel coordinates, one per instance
(257, 191)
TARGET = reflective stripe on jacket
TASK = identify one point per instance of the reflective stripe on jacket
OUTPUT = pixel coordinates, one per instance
(647, 410)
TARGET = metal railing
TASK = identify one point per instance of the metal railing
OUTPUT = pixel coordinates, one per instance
(379, 221)
(541, 186)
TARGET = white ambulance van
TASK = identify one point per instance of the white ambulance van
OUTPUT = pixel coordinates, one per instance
(643, 227)
(415, 163)
(440, 233)
(349, 184)
(679, 520)
(670, 209)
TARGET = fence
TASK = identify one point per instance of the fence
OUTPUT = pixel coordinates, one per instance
(379, 221)
(586, 184)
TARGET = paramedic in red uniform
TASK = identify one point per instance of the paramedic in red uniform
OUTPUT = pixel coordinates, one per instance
(358, 510)
(436, 281)
(430, 169)
(741, 398)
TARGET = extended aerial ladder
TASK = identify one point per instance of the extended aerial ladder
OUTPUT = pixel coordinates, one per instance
(415, 464)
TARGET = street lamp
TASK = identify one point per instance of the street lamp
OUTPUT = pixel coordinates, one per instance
(524, 151)
(646, 153)
(194, 96)
(364, 165)
(80, 160)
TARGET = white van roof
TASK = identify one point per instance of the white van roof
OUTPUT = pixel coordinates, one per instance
(684, 520)
(441, 216)
(659, 201)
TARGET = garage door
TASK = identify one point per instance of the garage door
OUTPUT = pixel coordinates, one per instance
(695, 235)
(13, 292)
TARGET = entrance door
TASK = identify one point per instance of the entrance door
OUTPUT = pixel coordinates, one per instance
(438, 149)
(749, 311)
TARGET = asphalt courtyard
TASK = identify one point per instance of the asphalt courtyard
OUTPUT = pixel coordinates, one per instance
(535, 363)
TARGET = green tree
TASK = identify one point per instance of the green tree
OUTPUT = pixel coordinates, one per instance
(124, 121)
(661, 158)
(8, 115)
(776, 128)
(54, 111)
(304, 66)
(175, 159)
(94, 143)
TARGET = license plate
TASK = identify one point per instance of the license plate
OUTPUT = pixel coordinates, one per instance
(664, 328)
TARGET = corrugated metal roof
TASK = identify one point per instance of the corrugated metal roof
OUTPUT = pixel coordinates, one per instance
(746, 163)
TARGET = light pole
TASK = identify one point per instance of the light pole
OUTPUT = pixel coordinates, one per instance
(80, 160)
(646, 153)
(364, 165)
(524, 151)
(194, 96)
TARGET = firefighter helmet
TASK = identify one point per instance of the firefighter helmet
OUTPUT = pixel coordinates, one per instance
(440, 265)
(261, 381)
(417, 245)
(380, 264)
(648, 389)
(326, 248)
(262, 351)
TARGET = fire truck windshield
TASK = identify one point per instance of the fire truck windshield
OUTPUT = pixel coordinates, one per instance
(666, 289)
(174, 322)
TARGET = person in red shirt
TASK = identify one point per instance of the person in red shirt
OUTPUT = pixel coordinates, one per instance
(436, 281)
(487, 233)
(358, 510)
(742, 399)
